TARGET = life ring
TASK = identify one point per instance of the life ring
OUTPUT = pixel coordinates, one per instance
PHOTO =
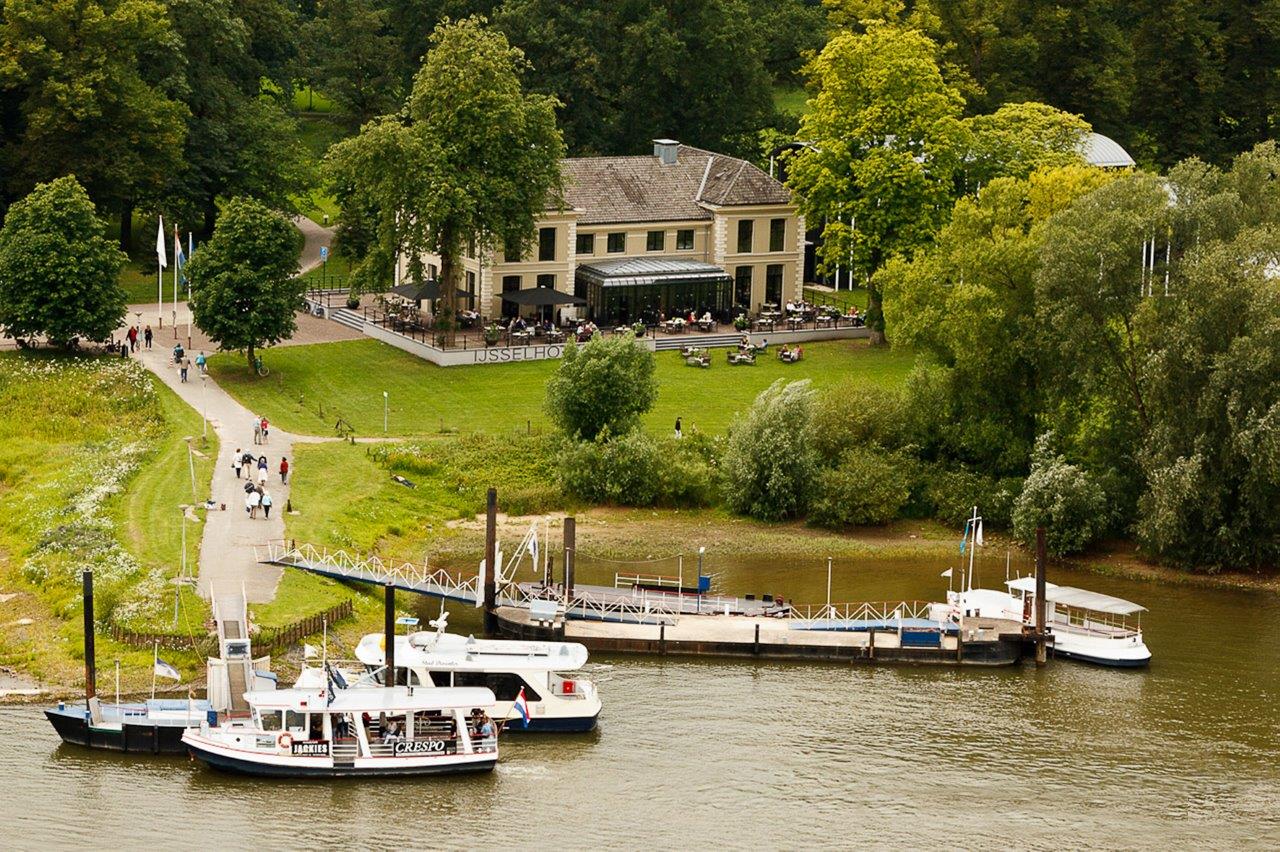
(285, 740)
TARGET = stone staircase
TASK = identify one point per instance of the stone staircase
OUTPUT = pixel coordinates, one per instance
(345, 316)
(665, 343)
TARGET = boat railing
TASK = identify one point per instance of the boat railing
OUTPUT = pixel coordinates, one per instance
(886, 611)
(1095, 628)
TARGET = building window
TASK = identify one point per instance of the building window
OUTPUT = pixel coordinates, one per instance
(684, 240)
(546, 244)
(655, 241)
(471, 247)
(511, 250)
(744, 236)
(617, 242)
(586, 243)
(773, 283)
(777, 234)
(510, 284)
(549, 281)
(471, 290)
(742, 287)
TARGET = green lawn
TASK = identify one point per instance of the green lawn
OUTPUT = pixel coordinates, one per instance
(311, 386)
(790, 99)
(333, 274)
(307, 100)
(840, 298)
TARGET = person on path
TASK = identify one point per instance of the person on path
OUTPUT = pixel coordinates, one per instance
(265, 424)
(678, 435)
(247, 458)
(262, 471)
(237, 462)
(266, 506)
(257, 430)
(183, 367)
(284, 470)
(252, 500)
(133, 338)
(200, 363)
(146, 335)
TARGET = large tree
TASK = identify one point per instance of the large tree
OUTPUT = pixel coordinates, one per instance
(604, 385)
(58, 269)
(352, 58)
(885, 141)
(95, 84)
(244, 289)
(472, 157)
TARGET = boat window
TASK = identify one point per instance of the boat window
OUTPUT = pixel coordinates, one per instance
(430, 678)
(295, 721)
(505, 685)
(270, 720)
(439, 678)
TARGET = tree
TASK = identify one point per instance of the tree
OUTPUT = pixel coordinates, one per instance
(1020, 138)
(353, 58)
(869, 487)
(96, 83)
(1061, 497)
(58, 270)
(244, 292)
(770, 466)
(604, 385)
(885, 141)
(473, 157)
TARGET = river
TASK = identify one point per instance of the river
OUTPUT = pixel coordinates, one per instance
(727, 754)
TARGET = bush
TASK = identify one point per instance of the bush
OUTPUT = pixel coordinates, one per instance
(1061, 497)
(852, 415)
(637, 469)
(869, 487)
(770, 464)
(953, 492)
(608, 383)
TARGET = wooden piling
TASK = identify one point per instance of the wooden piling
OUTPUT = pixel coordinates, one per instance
(490, 560)
(1042, 655)
(755, 645)
(570, 558)
(90, 666)
(389, 628)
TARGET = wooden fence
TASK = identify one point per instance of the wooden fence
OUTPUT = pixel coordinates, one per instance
(268, 640)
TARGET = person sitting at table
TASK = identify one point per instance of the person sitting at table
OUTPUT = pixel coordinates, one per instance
(745, 343)
(519, 324)
(791, 308)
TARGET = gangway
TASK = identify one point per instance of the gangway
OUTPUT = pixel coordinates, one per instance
(341, 565)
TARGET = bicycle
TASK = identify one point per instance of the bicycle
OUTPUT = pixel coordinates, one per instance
(259, 367)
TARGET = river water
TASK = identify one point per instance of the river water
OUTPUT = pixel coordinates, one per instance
(711, 753)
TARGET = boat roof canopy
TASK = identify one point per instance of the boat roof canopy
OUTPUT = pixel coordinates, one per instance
(1080, 598)
(372, 699)
(450, 651)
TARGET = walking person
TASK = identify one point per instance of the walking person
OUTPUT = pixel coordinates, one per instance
(264, 424)
(678, 435)
(257, 430)
(262, 470)
(266, 505)
(133, 338)
(200, 363)
(237, 462)
(251, 502)
(146, 335)
(284, 470)
(183, 366)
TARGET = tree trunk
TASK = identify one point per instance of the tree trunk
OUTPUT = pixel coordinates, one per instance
(875, 315)
(252, 365)
(450, 280)
(126, 226)
(210, 215)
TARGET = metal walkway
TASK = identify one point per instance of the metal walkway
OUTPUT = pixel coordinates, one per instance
(343, 566)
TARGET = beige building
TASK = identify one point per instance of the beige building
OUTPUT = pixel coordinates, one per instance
(684, 230)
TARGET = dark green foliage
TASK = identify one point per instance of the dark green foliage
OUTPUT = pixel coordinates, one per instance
(57, 268)
(1061, 497)
(850, 415)
(606, 383)
(636, 469)
(351, 56)
(770, 465)
(244, 293)
(953, 492)
(868, 487)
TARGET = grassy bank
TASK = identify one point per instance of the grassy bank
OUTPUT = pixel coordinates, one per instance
(92, 468)
(310, 387)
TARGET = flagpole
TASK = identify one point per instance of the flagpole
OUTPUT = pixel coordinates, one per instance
(177, 251)
(190, 251)
(155, 658)
(161, 263)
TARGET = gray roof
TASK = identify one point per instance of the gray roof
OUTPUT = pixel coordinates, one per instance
(649, 270)
(642, 189)
(1104, 152)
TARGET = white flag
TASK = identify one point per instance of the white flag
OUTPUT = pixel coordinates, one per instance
(309, 651)
(160, 254)
(533, 547)
(946, 573)
(480, 585)
(978, 539)
(163, 669)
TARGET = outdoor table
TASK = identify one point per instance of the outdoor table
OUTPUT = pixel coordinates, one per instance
(521, 336)
(763, 324)
(707, 325)
(795, 323)
(826, 322)
(555, 337)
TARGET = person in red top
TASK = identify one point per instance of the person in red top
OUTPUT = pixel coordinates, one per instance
(264, 425)
(284, 469)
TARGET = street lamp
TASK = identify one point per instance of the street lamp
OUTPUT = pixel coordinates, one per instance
(204, 405)
(386, 403)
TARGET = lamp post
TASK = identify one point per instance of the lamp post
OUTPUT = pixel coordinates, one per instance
(204, 405)
(386, 409)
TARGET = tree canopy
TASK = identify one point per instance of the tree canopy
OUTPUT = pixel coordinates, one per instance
(57, 268)
(602, 386)
(244, 293)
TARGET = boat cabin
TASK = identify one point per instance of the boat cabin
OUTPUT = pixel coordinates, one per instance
(1080, 610)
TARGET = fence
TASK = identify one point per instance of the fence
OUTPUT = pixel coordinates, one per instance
(269, 640)
(207, 645)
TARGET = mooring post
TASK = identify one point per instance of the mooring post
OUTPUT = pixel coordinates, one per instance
(755, 647)
(389, 631)
(1042, 655)
(662, 637)
(490, 562)
(570, 543)
(90, 667)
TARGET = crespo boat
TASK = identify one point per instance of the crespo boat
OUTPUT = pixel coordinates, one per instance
(296, 733)
(1087, 626)
(557, 702)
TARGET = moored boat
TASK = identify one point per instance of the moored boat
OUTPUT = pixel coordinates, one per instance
(327, 733)
(146, 727)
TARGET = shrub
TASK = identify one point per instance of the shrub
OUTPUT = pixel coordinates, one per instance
(869, 487)
(636, 469)
(953, 492)
(1061, 497)
(609, 382)
(852, 415)
(770, 464)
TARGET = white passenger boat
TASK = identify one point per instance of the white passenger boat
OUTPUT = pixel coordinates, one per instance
(557, 702)
(1086, 625)
(295, 733)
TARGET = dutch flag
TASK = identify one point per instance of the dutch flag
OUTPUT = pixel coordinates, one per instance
(521, 706)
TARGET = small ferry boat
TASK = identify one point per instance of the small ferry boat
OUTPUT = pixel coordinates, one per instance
(145, 727)
(1086, 625)
(557, 702)
(328, 733)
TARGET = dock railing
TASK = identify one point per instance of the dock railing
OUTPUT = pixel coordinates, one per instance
(338, 563)
(806, 616)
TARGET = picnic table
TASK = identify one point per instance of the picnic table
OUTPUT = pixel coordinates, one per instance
(555, 335)
(826, 322)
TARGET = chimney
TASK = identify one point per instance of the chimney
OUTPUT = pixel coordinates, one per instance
(665, 150)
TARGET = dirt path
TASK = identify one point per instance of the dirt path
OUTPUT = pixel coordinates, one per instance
(314, 237)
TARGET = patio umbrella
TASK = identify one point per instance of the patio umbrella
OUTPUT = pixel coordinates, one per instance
(541, 297)
(426, 291)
